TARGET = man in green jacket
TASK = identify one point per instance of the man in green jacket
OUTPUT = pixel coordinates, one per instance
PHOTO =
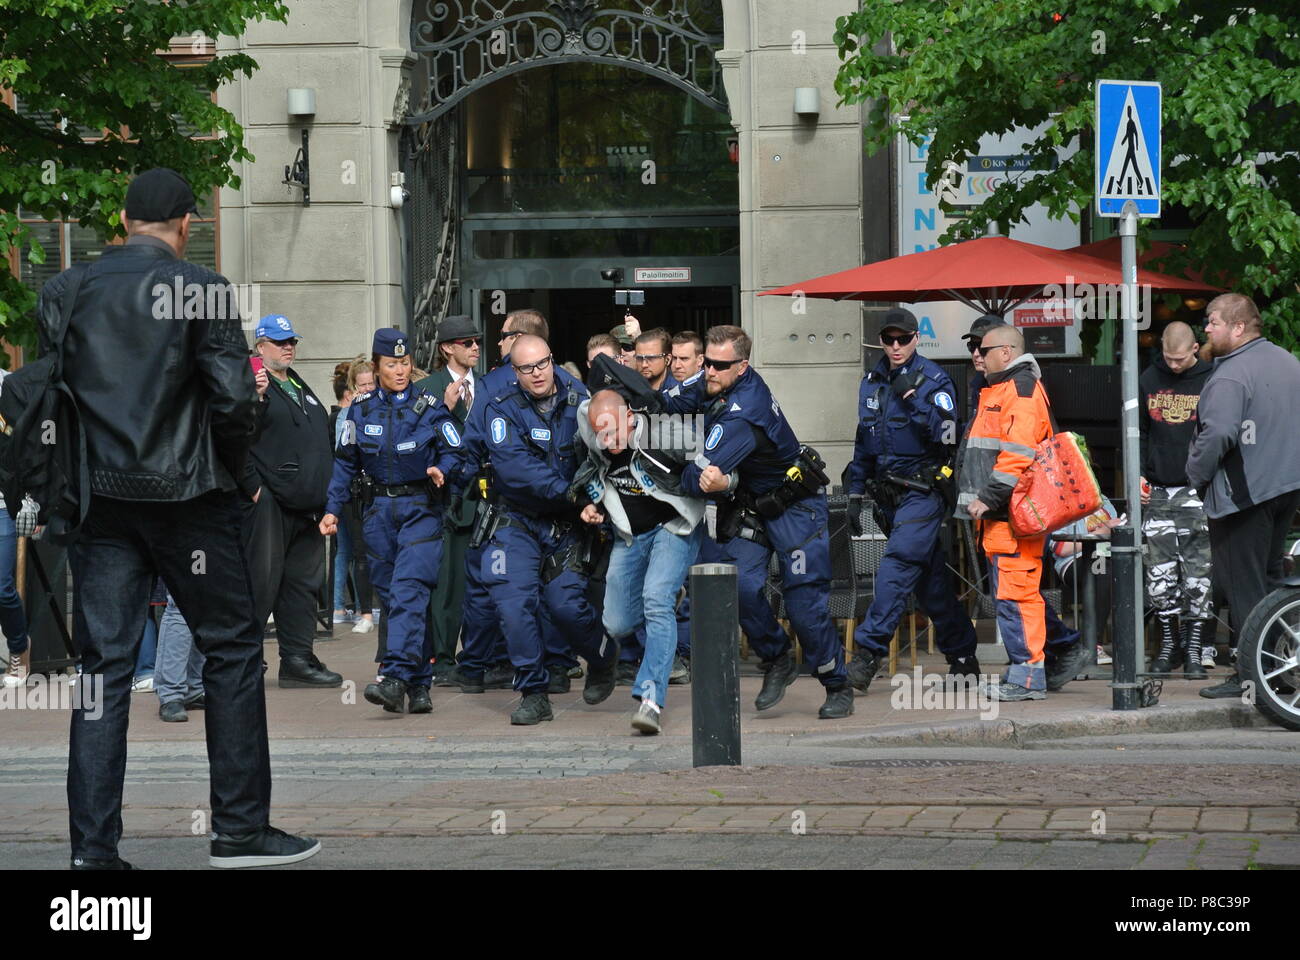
(458, 345)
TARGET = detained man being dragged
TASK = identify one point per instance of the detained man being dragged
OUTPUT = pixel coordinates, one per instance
(659, 532)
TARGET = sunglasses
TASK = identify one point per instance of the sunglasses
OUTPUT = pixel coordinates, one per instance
(472, 342)
(507, 335)
(527, 368)
(897, 341)
(647, 357)
(719, 364)
(984, 351)
(291, 342)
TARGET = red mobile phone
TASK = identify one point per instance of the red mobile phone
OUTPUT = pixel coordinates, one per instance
(256, 363)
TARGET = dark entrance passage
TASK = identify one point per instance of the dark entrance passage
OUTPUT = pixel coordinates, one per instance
(575, 315)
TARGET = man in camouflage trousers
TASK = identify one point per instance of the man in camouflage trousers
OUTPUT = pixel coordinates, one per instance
(1174, 523)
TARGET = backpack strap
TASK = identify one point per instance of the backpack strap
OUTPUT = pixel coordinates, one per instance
(60, 333)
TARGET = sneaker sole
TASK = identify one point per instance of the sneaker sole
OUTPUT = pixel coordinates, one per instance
(646, 727)
(261, 860)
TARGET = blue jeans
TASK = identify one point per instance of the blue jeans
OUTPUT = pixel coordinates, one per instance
(648, 573)
(179, 671)
(342, 566)
(13, 621)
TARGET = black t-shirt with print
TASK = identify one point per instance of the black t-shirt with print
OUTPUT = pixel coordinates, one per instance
(644, 512)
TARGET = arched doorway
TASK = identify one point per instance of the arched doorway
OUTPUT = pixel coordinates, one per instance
(554, 142)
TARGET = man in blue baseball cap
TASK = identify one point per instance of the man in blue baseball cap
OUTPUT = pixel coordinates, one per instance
(292, 460)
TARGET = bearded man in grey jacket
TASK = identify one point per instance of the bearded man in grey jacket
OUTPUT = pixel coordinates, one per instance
(633, 477)
(1245, 459)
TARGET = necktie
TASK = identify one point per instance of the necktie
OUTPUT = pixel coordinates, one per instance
(469, 395)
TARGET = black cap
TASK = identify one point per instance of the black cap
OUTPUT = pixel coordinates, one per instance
(159, 194)
(899, 319)
(457, 328)
(983, 325)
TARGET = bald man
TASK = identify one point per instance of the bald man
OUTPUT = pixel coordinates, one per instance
(633, 476)
(1173, 518)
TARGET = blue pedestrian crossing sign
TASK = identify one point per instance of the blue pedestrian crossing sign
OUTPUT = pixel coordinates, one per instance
(1128, 147)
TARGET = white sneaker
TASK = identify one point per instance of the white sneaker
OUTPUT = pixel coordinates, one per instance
(344, 616)
(143, 685)
(1103, 657)
(646, 719)
(17, 675)
(364, 625)
(1207, 656)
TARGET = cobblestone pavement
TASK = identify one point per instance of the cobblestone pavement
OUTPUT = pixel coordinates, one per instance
(751, 851)
(1199, 785)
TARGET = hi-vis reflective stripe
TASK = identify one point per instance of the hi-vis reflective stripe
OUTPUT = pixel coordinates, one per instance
(992, 443)
(1009, 479)
(702, 461)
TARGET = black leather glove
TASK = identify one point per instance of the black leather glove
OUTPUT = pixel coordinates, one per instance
(906, 383)
(855, 514)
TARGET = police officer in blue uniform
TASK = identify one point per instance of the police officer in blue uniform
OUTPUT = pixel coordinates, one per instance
(396, 441)
(907, 434)
(778, 501)
(531, 563)
(484, 663)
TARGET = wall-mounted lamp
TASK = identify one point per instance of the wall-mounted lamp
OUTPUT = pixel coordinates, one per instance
(807, 101)
(302, 105)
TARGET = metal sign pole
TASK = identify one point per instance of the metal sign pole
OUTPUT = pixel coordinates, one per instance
(1128, 587)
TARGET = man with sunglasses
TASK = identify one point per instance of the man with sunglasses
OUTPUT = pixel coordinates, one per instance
(772, 498)
(292, 460)
(458, 342)
(977, 382)
(528, 562)
(1013, 419)
(907, 432)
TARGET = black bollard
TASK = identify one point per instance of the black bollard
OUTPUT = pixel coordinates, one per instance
(1124, 685)
(715, 667)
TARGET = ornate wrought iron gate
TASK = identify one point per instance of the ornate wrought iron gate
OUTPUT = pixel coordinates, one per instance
(463, 45)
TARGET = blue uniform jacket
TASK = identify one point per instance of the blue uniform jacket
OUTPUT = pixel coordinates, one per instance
(745, 430)
(385, 436)
(898, 435)
(533, 457)
(495, 383)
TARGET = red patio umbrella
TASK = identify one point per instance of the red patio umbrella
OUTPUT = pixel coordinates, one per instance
(1110, 250)
(988, 274)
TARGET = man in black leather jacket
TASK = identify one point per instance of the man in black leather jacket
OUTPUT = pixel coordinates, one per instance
(292, 458)
(166, 456)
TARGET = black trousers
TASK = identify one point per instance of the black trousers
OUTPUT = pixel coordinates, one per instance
(286, 556)
(194, 545)
(1246, 553)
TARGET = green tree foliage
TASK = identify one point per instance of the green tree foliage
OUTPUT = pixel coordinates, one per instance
(960, 69)
(79, 66)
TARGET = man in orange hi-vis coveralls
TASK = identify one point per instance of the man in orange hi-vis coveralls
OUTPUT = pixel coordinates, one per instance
(1012, 419)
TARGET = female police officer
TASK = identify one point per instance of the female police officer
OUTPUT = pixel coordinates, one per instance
(402, 438)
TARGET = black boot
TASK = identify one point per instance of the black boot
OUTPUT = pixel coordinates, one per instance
(1170, 643)
(1195, 635)
(601, 680)
(781, 672)
(388, 693)
(838, 705)
(535, 708)
(862, 669)
(559, 675)
(419, 700)
(306, 671)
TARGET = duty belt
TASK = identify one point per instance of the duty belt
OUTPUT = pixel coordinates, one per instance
(401, 489)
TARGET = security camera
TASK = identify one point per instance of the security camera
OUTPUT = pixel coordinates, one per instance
(397, 196)
(612, 275)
